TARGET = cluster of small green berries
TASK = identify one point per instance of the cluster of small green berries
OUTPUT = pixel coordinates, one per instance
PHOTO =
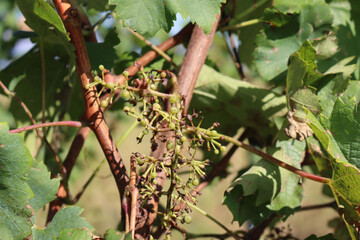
(145, 102)
(110, 87)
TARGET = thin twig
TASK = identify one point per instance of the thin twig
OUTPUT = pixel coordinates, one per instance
(42, 56)
(241, 25)
(134, 195)
(155, 48)
(317, 206)
(228, 231)
(276, 161)
(233, 50)
(76, 124)
(22, 104)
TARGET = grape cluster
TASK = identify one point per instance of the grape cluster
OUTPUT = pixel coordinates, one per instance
(160, 114)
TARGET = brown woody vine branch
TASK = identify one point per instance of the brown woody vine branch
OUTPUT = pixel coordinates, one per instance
(198, 48)
(93, 113)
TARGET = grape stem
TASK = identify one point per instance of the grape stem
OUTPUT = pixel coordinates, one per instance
(50, 124)
(267, 157)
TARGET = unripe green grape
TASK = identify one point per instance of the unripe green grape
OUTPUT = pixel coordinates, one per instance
(153, 174)
(173, 98)
(155, 182)
(174, 110)
(222, 148)
(163, 74)
(216, 151)
(195, 182)
(126, 73)
(169, 145)
(104, 103)
(156, 106)
(125, 94)
(168, 237)
(101, 67)
(146, 131)
(97, 79)
(87, 86)
(140, 161)
(153, 87)
(183, 138)
(177, 149)
(189, 183)
(187, 218)
(173, 79)
(213, 132)
(110, 85)
(172, 126)
(126, 109)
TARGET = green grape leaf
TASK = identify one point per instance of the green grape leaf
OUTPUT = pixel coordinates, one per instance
(65, 218)
(348, 36)
(43, 187)
(112, 234)
(103, 53)
(329, 236)
(43, 19)
(74, 234)
(341, 12)
(305, 98)
(148, 17)
(143, 16)
(326, 47)
(291, 192)
(288, 6)
(345, 182)
(244, 208)
(326, 94)
(309, 19)
(201, 12)
(345, 128)
(15, 161)
(216, 92)
(266, 187)
(24, 75)
(343, 67)
(301, 71)
(324, 136)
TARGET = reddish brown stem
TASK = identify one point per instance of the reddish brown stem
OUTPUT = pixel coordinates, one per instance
(93, 113)
(277, 161)
(50, 124)
(198, 48)
(134, 195)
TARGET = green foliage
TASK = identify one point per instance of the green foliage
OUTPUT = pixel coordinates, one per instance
(148, 17)
(15, 162)
(111, 234)
(44, 188)
(266, 188)
(66, 220)
(308, 20)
